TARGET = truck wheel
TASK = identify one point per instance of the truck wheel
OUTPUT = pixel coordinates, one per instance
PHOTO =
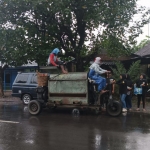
(26, 99)
(114, 109)
(76, 112)
(34, 107)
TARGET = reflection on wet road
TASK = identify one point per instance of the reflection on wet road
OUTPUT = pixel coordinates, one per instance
(61, 131)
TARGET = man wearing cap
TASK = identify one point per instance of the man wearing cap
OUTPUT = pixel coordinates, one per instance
(94, 74)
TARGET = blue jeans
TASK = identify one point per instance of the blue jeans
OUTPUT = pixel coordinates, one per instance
(100, 81)
(102, 84)
(123, 97)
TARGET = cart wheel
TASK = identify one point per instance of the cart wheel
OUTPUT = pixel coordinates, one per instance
(76, 111)
(34, 107)
(26, 99)
(114, 109)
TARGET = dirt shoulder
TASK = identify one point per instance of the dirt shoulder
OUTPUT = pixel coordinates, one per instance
(8, 98)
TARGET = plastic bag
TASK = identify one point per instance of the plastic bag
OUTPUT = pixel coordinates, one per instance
(137, 90)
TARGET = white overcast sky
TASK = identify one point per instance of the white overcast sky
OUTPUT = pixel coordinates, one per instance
(146, 28)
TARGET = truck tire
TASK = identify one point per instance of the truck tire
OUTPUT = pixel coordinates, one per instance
(26, 98)
(76, 112)
(34, 107)
(114, 109)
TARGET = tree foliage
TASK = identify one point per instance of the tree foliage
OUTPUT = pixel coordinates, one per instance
(30, 29)
(142, 44)
(133, 71)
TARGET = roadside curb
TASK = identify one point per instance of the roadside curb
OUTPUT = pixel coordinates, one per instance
(7, 101)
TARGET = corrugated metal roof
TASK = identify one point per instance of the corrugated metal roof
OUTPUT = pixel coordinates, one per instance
(105, 62)
(145, 51)
(107, 58)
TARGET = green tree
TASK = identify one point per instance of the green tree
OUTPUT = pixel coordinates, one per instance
(32, 28)
(133, 71)
(142, 44)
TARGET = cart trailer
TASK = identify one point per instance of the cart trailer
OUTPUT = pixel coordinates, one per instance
(72, 90)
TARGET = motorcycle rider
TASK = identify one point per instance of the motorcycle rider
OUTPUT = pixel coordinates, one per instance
(53, 60)
(95, 74)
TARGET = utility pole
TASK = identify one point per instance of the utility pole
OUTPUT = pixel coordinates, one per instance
(148, 29)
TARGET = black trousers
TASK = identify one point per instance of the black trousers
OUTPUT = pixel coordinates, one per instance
(141, 97)
(104, 98)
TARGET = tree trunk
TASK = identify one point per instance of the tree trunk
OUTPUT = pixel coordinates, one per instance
(1, 83)
(79, 65)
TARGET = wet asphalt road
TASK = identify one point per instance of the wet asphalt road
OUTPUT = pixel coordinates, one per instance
(61, 131)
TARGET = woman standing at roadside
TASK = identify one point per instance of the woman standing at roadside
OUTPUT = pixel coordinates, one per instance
(129, 93)
(141, 83)
(123, 90)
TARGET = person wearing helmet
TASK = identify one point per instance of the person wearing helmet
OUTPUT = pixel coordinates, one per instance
(53, 60)
(95, 74)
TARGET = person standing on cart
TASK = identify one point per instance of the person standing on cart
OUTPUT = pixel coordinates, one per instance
(53, 60)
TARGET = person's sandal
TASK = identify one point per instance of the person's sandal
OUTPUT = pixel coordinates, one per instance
(144, 110)
(137, 109)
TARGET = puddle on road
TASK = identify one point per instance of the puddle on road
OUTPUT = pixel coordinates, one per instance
(85, 131)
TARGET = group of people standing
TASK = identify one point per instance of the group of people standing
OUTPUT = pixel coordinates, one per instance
(126, 91)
